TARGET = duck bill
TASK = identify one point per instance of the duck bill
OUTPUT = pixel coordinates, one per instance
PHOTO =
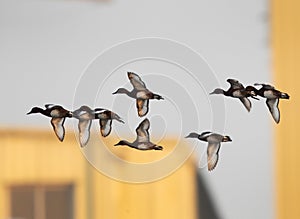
(192, 135)
(121, 121)
(229, 140)
(30, 112)
(118, 118)
(75, 113)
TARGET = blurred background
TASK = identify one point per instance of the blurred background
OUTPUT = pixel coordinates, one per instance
(45, 47)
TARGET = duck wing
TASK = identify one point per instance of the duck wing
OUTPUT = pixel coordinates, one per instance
(136, 81)
(105, 126)
(265, 86)
(142, 131)
(58, 127)
(273, 108)
(84, 126)
(235, 84)
(142, 106)
(246, 102)
(213, 155)
(49, 106)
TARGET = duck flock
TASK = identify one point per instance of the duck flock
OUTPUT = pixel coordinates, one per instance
(142, 95)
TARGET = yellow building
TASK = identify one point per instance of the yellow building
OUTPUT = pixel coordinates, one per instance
(42, 178)
(286, 64)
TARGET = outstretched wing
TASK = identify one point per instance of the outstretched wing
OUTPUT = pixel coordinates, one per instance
(235, 84)
(49, 106)
(58, 127)
(84, 131)
(142, 131)
(142, 106)
(246, 102)
(273, 108)
(213, 155)
(136, 81)
(105, 127)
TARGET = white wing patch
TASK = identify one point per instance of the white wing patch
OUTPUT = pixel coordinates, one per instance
(58, 127)
(99, 111)
(49, 106)
(205, 134)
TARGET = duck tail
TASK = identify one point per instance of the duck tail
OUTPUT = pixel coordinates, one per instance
(160, 148)
(284, 96)
(157, 97)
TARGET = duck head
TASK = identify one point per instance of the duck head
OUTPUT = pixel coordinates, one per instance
(117, 117)
(192, 135)
(35, 110)
(226, 138)
(218, 91)
(121, 91)
(122, 142)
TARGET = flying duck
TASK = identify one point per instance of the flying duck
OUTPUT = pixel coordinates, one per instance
(140, 93)
(214, 143)
(272, 98)
(142, 141)
(237, 90)
(85, 115)
(105, 120)
(58, 115)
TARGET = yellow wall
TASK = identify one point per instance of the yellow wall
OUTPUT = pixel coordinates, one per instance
(37, 157)
(285, 35)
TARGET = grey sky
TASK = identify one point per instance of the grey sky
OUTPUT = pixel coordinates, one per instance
(46, 46)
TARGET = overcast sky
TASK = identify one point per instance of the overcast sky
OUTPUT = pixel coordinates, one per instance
(47, 48)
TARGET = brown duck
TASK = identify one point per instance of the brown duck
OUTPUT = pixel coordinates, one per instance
(85, 115)
(140, 93)
(142, 141)
(214, 144)
(58, 115)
